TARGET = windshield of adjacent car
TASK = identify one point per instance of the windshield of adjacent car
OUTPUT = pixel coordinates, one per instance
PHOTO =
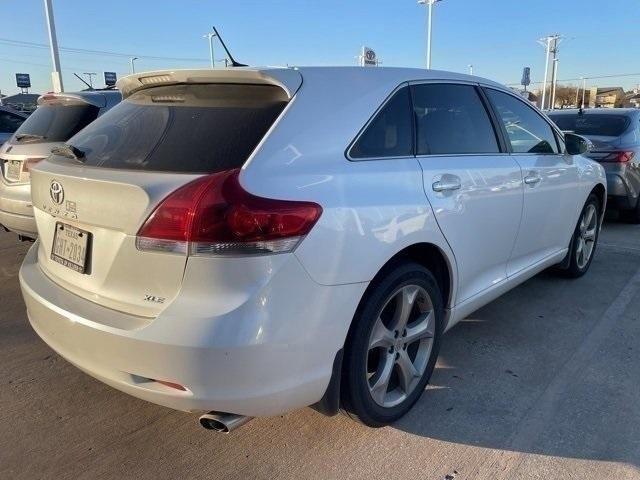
(603, 124)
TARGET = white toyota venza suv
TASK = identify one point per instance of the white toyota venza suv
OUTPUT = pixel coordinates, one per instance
(250, 241)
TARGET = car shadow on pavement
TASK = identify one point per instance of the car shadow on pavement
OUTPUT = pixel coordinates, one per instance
(537, 371)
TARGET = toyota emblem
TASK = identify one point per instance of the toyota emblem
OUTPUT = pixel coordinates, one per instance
(57, 192)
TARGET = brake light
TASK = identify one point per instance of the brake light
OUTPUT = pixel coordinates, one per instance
(214, 215)
(618, 157)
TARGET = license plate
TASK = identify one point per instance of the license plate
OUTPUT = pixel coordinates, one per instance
(13, 170)
(70, 247)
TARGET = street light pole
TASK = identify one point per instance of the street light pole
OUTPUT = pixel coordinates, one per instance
(429, 4)
(470, 69)
(210, 36)
(546, 71)
(133, 67)
(584, 87)
(56, 75)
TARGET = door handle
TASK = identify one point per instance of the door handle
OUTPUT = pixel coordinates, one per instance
(446, 185)
(532, 179)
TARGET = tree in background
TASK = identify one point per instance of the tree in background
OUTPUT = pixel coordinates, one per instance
(565, 96)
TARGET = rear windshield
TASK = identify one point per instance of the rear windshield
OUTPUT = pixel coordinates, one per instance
(605, 125)
(184, 128)
(56, 123)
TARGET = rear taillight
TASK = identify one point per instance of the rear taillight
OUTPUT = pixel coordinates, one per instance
(214, 215)
(618, 157)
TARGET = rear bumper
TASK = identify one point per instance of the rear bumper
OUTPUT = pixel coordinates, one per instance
(16, 210)
(272, 354)
(619, 192)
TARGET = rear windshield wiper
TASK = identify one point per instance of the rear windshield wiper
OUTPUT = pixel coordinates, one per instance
(68, 151)
(29, 136)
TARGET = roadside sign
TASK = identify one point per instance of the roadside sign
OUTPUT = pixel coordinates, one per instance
(526, 77)
(23, 80)
(110, 78)
(368, 57)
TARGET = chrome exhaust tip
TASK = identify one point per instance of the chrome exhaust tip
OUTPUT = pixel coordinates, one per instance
(223, 422)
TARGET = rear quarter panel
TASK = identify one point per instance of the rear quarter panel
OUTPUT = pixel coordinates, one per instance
(371, 209)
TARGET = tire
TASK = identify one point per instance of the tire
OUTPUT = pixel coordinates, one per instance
(378, 350)
(584, 240)
(633, 216)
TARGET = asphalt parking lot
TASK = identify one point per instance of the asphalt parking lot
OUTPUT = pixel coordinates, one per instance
(542, 383)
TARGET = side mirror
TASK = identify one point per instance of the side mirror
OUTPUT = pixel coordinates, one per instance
(576, 144)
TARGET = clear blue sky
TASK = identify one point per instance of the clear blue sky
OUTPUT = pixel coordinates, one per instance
(497, 36)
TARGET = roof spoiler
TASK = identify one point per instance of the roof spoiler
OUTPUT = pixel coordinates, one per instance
(72, 99)
(286, 78)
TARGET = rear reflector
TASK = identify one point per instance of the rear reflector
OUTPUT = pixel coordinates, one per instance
(618, 157)
(214, 215)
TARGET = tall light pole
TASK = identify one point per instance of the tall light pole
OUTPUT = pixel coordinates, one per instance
(550, 43)
(554, 81)
(470, 69)
(429, 4)
(584, 87)
(133, 67)
(56, 75)
(211, 36)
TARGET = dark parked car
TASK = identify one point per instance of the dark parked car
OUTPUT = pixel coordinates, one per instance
(10, 121)
(615, 134)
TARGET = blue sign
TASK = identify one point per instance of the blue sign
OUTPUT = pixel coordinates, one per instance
(110, 78)
(526, 76)
(23, 80)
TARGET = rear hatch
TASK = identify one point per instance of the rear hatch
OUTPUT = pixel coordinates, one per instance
(57, 118)
(92, 199)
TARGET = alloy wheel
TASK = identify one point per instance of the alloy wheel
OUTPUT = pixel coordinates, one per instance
(587, 232)
(400, 345)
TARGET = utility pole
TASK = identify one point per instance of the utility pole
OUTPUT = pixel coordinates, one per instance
(133, 67)
(550, 43)
(554, 80)
(584, 87)
(429, 4)
(90, 75)
(211, 36)
(56, 75)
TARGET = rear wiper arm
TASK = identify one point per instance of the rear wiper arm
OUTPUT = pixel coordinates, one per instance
(68, 151)
(30, 136)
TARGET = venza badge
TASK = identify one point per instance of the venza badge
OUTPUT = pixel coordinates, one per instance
(57, 192)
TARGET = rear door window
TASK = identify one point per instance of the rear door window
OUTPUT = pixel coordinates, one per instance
(184, 128)
(527, 130)
(57, 123)
(390, 133)
(451, 119)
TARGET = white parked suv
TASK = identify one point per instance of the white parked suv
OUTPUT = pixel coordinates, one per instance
(250, 241)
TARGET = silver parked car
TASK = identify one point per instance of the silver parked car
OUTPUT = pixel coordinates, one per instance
(615, 134)
(58, 117)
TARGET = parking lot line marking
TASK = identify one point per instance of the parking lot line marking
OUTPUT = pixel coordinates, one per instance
(502, 463)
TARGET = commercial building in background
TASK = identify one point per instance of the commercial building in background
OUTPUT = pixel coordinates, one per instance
(607, 97)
